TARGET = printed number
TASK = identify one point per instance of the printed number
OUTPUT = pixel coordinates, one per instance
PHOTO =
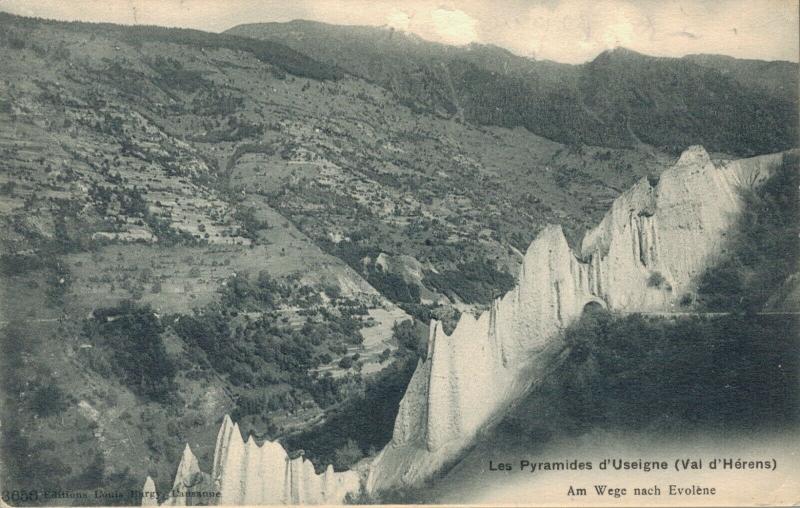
(20, 495)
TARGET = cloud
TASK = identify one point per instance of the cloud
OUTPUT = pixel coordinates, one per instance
(574, 31)
(399, 20)
(454, 26)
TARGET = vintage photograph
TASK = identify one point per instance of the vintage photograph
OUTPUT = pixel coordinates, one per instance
(462, 252)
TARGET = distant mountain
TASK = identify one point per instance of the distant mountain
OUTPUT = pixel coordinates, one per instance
(777, 77)
(268, 52)
(620, 99)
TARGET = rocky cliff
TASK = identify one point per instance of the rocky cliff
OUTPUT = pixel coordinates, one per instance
(644, 256)
(246, 473)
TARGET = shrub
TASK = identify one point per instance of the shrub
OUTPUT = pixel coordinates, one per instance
(656, 280)
(347, 455)
(476, 281)
(365, 417)
(405, 335)
(48, 399)
(393, 287)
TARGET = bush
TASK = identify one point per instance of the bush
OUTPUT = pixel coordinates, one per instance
(405, 335)
(367, 417)
(393, 287)
(48, 399)
(172, 74)
(656, 280)
(208, 330)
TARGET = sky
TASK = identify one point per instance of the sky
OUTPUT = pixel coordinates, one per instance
(570, 31)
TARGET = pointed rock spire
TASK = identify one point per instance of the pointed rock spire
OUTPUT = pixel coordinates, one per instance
(149, 494)
(694, 155)
(187, 476)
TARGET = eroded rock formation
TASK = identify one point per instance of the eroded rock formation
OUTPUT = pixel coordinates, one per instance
(245, 473)
(645, 254)
(670, 229)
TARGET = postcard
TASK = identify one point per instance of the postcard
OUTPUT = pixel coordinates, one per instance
(464, 253)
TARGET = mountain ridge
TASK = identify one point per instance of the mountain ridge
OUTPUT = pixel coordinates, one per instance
(558, 101)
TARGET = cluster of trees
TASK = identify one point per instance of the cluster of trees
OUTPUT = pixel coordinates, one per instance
(475, 281)
(131, 200)
(654, 374)
(764, 245)
(172, 74)
(611, 101)
(168, 236)
(208, 329)
(362, 422)
(59, 282)
(393, 286)
(242, 293)
(251, 225)
(212, 102)
(234, 129)
(269, 351)
(133, 335)
(246, 148)
(111, 125)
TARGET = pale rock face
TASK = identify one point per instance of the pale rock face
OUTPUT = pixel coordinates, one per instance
(408, 267)
(149, 490)
(473, 374)
(188, 478)
(675, 229)
(245, 473)
(468, 379)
